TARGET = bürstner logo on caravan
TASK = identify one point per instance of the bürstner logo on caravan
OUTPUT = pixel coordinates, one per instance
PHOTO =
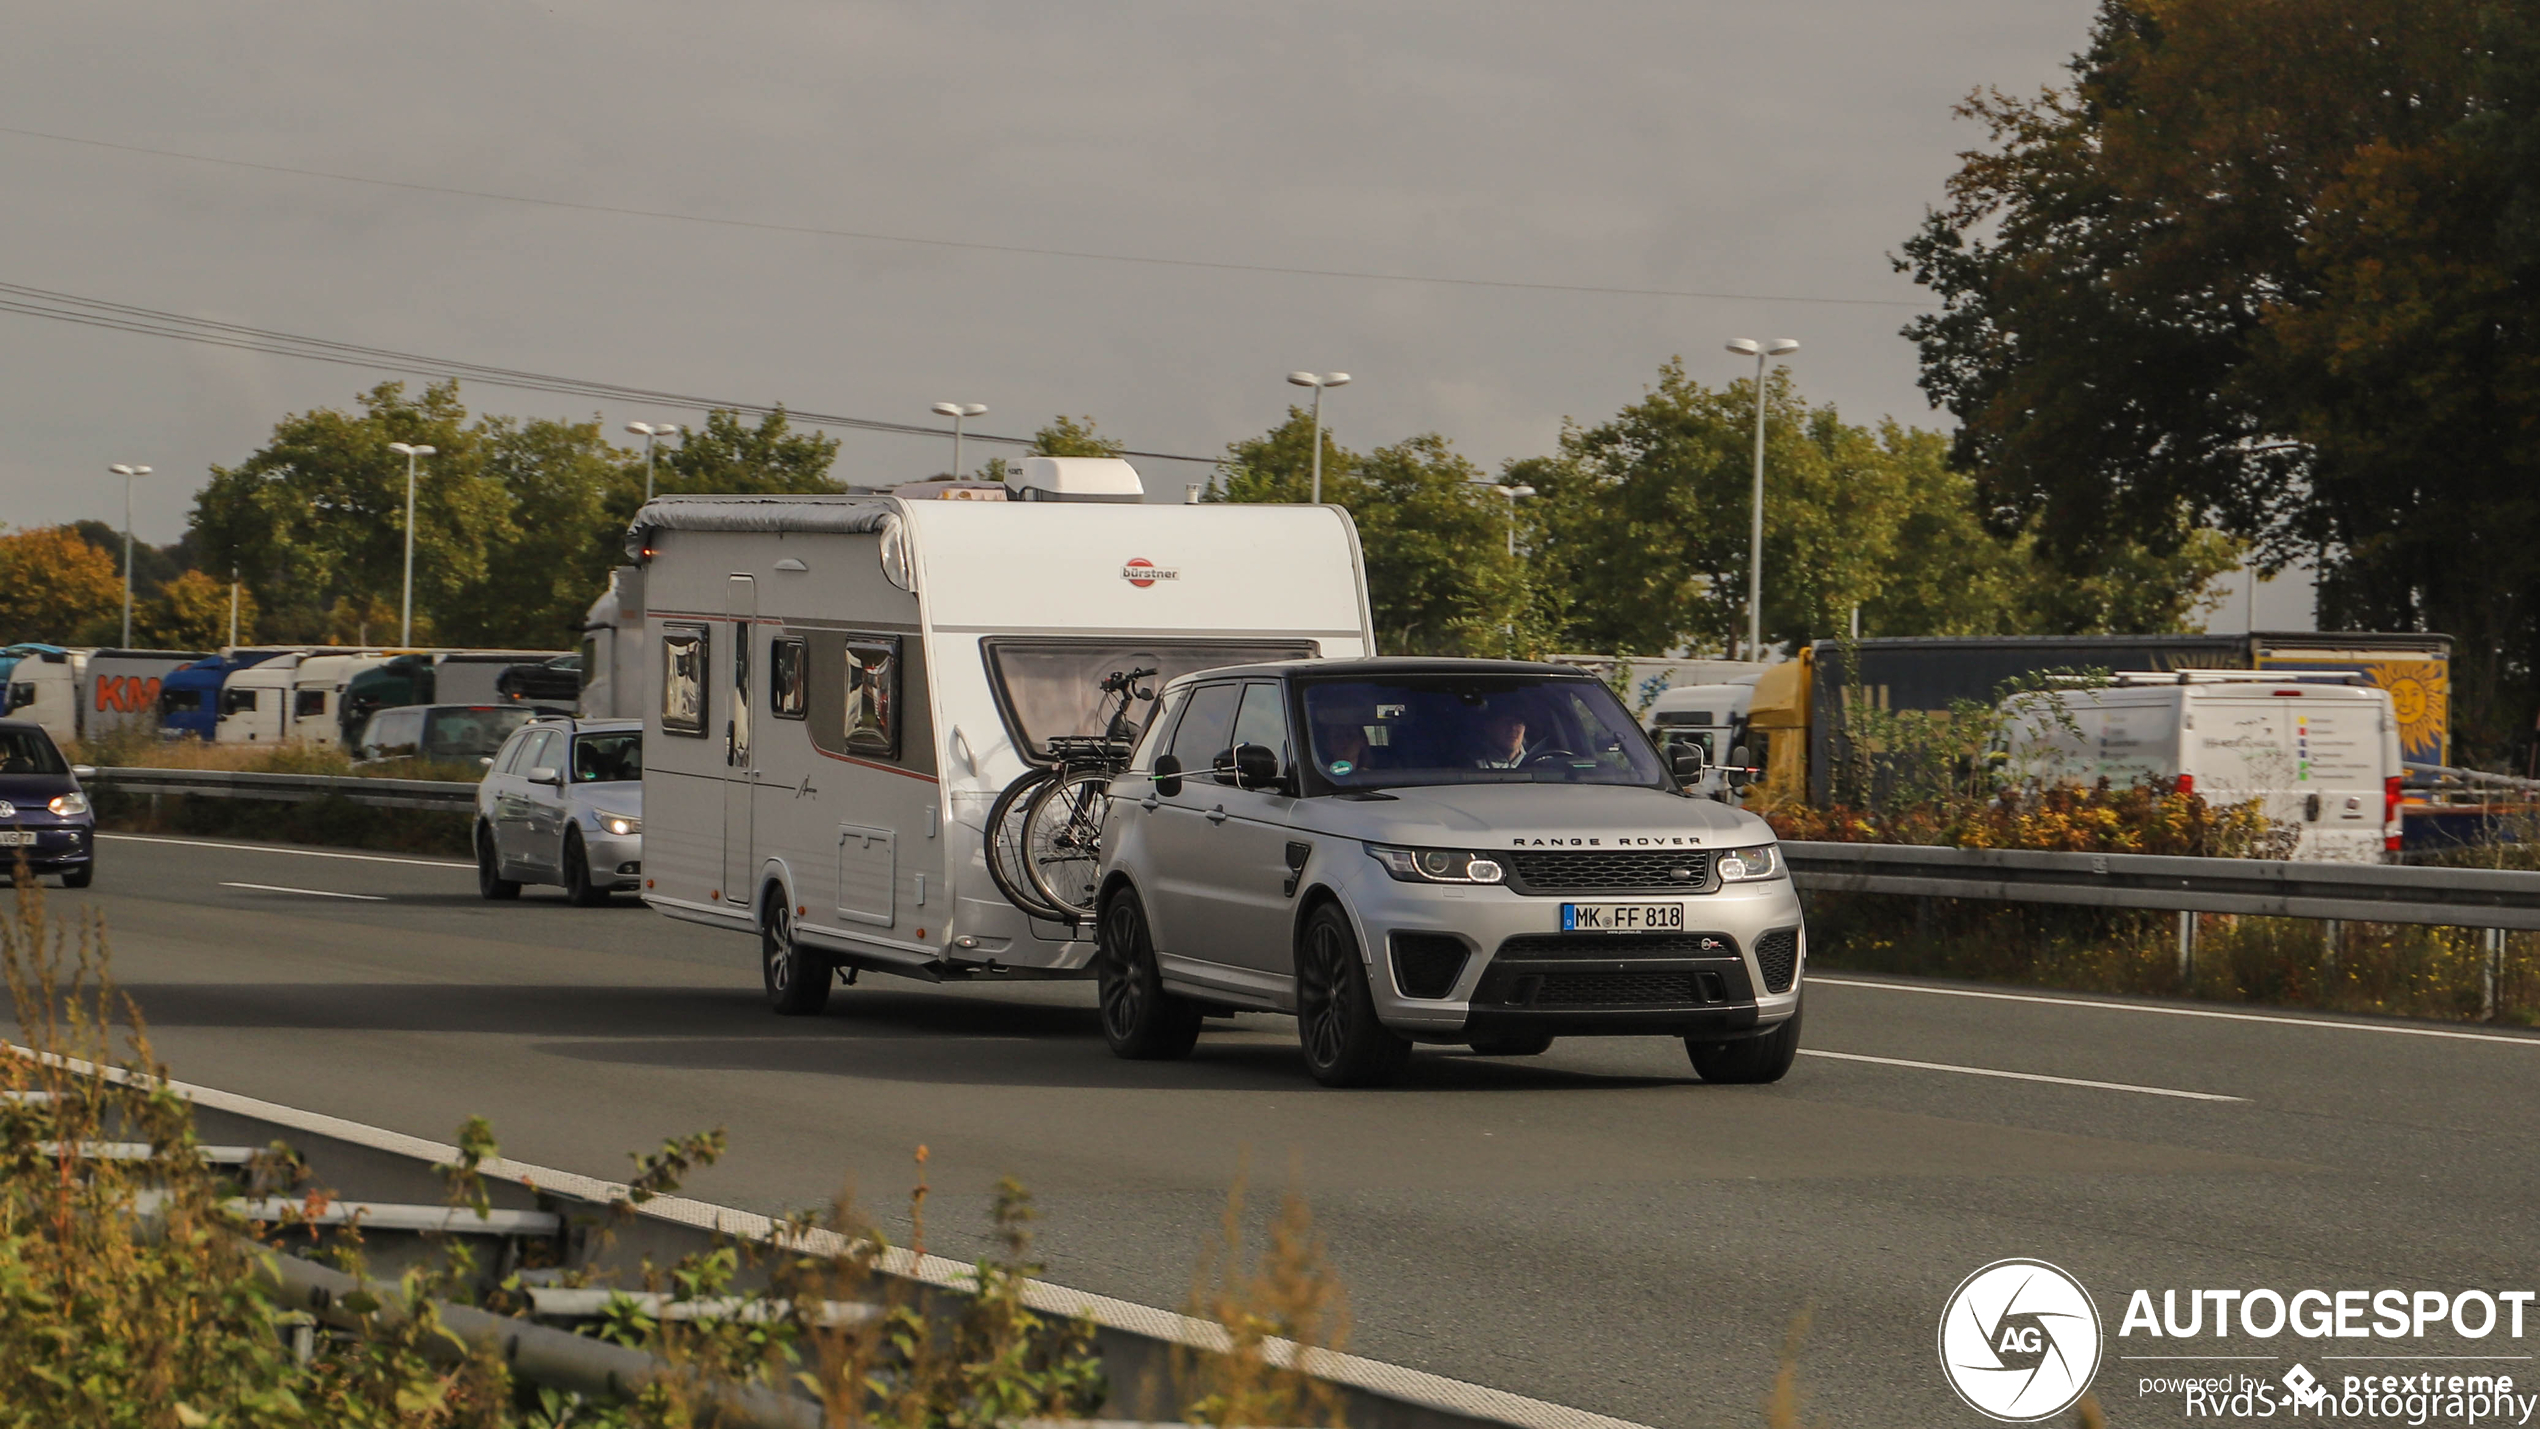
(1141, 572)
(2019, 1341)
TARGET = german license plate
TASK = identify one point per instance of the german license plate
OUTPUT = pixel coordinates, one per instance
(17, 838)
(1622, 917)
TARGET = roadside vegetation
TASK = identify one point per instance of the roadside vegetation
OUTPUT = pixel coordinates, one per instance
(329, 822)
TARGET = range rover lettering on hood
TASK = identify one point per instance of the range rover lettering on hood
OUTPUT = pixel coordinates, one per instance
(1624, 841)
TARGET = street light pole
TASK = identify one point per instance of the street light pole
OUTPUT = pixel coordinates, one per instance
(648, 431)
(958, 411)
(1762, 353)
(127, 473)
(406, 610)
(1318, 381)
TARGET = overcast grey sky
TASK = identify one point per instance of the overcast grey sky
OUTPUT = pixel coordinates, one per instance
(1778, 150)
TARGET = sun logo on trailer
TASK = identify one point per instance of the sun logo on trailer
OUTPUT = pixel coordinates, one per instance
(1142, 573)
(2417, 700)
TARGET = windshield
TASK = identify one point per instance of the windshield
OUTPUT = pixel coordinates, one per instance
(29, 751)
(608, 758)
(470, 733)
(1474, 729)
(1048, 688)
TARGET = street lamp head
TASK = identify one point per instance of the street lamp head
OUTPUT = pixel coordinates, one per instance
(1319, 379)
(1745, 346)
(1304, 379)
(1518, 493)
(974, 409)
(410, 449)
(1782, 346)
(947, 409)
(120, 469)
(960, 409)
(642, 429)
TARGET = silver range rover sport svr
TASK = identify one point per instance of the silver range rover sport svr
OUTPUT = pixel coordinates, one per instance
(1451, 851)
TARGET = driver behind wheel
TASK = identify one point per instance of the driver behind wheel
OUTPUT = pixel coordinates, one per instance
(1503, 739)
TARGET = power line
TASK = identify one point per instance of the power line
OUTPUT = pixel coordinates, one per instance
(1086, 255)
(152, 322)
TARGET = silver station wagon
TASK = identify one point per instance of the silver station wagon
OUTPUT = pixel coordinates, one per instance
(1480, 852)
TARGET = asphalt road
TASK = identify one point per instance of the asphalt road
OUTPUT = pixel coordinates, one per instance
(1593, 1227)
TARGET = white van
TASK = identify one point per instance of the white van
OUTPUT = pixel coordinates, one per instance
(839, 687)
(2320, 751)
(613, 649)
(1710, 717)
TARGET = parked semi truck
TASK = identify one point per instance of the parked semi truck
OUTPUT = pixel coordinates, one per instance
(1795, 723)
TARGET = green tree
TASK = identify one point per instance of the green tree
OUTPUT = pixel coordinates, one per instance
(1073, 436)
(1434, 535)
(54, 587)
(317, 514)
(2266, 265)
(552, 558)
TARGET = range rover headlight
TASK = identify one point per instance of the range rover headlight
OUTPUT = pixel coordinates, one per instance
(1436, 865)
(1746, 865)
(69, 804)
(617, 823)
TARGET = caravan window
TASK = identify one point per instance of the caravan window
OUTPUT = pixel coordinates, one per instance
(788, 678)
(683, 679)
(1046, 688)
(873, 689)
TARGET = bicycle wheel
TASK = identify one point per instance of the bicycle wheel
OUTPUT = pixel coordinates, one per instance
(1006, 863)
(1062, 838)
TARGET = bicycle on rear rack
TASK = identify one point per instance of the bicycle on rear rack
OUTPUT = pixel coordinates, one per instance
(1045, 830)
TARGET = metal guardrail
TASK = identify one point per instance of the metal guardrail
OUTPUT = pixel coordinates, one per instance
(287, 788)
(2366, 893)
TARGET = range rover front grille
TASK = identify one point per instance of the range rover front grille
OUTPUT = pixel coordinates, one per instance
(1601, 947)
(1544, 870)
(1426, 965)
(1634, 989)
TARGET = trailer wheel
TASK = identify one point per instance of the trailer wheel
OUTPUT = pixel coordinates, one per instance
(797, 978)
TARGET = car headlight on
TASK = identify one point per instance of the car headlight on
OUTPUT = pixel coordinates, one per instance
(1745, 865)
(617, 823)
(1437, 865)
(69, 804)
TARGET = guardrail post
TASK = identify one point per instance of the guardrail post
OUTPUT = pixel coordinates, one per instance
(2186, 951)
(2494, 973)
(2332, 941)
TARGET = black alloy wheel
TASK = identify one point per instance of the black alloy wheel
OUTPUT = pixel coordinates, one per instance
(577, 874)
(797, 978)
(1750, 1062)
(1513, 1044)
(490, 883)
(1140, 1020)
(1345, 1046)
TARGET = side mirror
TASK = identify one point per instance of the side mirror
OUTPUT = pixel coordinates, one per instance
(20, 696)
(1685, 758)
(1256, 766)
(485, 761)
(547, 774)
(1168, 775)
(1739, 776)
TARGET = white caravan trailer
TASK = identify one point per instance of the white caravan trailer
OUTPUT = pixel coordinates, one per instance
(838, 687)
(613, 649)
(123, 690)
(2319, 751)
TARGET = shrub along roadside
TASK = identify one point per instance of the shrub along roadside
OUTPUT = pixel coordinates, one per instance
(331, 822)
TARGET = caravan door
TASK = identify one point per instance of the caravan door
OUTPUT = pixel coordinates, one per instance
(740, 601)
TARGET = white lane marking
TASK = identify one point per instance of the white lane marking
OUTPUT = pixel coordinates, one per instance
(2178, 1011)
(300, 852)
(2021, 1076)
(1401, 1382)
(306, 892)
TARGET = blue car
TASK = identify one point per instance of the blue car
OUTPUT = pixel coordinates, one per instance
(43, 814)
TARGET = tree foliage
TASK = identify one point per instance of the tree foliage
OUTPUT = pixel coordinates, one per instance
(191, 612)
(54, 585)
(2269, 265)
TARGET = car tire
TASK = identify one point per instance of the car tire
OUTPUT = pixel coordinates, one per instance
(797, 978)
(1513, 1044)
(577, 874)
(1140, 1020)
(1345, 1046)
(1751, 1061)
(490, 883)
(79, 877)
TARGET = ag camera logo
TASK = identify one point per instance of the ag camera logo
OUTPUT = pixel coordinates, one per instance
(2019, 1341)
